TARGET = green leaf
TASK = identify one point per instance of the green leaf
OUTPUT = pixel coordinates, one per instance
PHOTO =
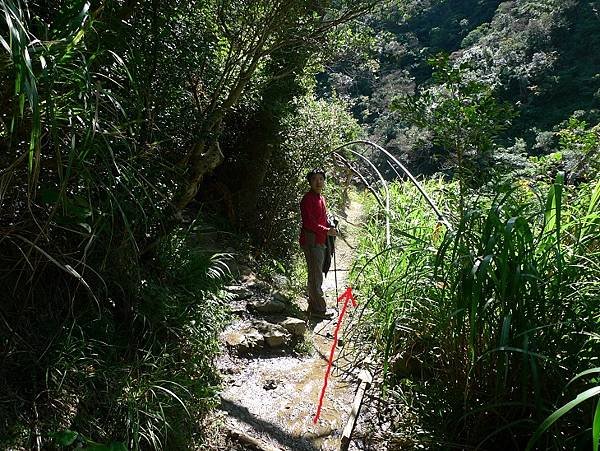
(584, 396)
(86, 226)
(65, 437)
(5, 45)
(596, 427)
(595, 199)
(584, 373)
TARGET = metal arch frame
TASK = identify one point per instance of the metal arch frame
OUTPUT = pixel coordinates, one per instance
(441, 218)
(388, 236)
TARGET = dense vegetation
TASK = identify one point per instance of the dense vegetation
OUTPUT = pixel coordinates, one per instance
(539, 55)
(134, 132)
(113, 113)
(484, 330)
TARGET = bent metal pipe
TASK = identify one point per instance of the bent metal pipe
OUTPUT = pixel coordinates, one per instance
(441, 217)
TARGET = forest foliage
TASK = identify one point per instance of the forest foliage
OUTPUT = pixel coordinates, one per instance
(125, 125)
(486, 332)
(538, 55)
(113, 115)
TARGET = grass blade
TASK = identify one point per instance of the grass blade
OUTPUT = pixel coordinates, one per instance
(596, 427)
(582, 397)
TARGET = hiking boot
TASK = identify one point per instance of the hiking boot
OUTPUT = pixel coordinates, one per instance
(319, 315)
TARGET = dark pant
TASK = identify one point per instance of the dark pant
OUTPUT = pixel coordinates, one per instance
(314, 254)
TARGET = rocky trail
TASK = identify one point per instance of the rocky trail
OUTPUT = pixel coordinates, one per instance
(276, 362)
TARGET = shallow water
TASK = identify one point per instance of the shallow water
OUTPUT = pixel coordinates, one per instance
(274, 397)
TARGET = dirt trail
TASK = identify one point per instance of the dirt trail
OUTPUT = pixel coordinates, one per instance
(274, 397)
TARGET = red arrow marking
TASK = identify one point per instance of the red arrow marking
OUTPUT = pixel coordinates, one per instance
(346, 296)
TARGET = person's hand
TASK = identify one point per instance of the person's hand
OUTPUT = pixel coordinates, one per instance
(332, 231)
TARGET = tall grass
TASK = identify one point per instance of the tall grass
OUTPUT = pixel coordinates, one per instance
(99, 333)
(145, 385)
(481, 329)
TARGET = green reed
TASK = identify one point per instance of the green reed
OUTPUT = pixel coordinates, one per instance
(481, 328)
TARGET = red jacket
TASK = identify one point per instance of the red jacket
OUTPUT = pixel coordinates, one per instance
(314, 217)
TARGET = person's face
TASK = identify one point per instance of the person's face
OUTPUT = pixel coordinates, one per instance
(317, 182)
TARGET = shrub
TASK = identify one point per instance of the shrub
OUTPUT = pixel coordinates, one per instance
(145, 383)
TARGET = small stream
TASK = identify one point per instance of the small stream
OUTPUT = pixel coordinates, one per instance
(273, 397)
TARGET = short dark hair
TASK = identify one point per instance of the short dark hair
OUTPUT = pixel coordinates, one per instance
(315, 171)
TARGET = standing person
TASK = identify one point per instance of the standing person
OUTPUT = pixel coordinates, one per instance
(313, 235)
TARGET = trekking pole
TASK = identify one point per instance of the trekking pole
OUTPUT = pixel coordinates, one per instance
(335, 269)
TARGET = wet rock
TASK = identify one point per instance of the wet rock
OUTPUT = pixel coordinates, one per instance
(270, 384)
(275, 336)
(268, 306)
(239, 292)
(295, 326)
(275, 339)
(253, 339)
(244, 340)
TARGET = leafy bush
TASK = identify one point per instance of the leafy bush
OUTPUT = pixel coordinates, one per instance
(111, 116)
(145, 383)
(463, 116)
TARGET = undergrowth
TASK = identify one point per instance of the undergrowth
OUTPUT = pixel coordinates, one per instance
(144, 383)
(486, 330)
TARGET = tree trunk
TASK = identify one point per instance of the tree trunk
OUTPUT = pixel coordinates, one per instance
(205, 157)
(257, 154)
